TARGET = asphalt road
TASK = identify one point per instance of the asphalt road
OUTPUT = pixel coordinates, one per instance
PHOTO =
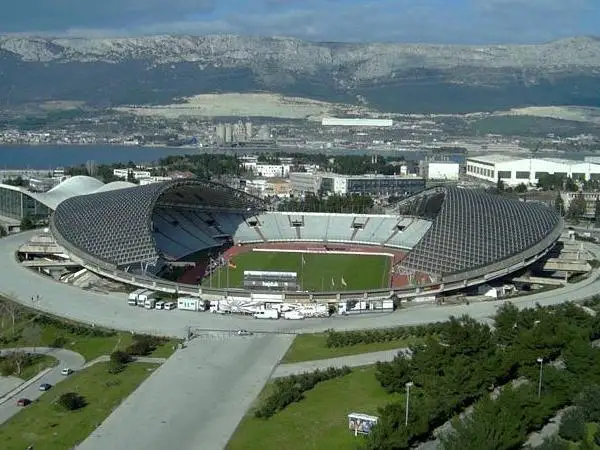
(363, 359)
(196, 399)
(112, 311)
(66, 358)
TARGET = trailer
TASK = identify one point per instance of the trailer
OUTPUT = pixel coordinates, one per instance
(189, 303)
(267, 314)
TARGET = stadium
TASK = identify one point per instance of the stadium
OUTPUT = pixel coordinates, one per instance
(199, 238)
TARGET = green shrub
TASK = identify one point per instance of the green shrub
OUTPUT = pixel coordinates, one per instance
(115, 367)
(597, 437)
(142, 348)
(572, 425)
(120, 357)
(58, 342)
(70, 401)
(553, 443)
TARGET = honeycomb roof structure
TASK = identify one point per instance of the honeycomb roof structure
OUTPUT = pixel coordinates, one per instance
(473, 229)
(115, 226)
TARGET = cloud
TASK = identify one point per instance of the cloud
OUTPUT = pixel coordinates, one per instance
(443, 21)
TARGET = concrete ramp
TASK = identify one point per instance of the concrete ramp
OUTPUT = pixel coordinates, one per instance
(567, 265)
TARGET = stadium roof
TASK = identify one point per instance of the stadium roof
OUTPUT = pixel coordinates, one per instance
(71, 187)
(473, 229)
(115, 226)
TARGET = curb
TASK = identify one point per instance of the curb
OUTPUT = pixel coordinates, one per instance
(24, 385)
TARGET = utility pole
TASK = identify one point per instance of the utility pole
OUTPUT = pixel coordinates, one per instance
(541, 361)
(408, 386)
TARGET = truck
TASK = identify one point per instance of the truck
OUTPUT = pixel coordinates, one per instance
(145, 296)
(133, 297)
(150, 303)
(189, 303)
(267, 314)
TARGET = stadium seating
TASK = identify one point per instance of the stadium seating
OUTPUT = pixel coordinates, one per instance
(180, 233)
(185, 231)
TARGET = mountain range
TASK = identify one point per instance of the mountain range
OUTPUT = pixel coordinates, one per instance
(399, 78)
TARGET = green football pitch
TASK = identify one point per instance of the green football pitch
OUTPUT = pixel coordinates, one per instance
(320, 272)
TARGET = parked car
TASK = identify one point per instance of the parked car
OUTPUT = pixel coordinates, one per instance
(45, 386)
(66, 371)
(23, 402)
(244, 333)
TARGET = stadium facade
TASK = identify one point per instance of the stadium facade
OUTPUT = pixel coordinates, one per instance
(458, 237)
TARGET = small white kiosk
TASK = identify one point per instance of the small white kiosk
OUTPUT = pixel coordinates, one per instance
(361, 423)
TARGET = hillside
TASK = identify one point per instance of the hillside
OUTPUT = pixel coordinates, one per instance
(389, 77)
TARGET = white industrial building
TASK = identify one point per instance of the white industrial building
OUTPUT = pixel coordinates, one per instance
(356, 122)
(514, 171)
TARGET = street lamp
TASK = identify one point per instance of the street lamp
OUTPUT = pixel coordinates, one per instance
(408, 386)
(541, 362)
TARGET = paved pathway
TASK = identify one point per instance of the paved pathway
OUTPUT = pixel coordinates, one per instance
(363, 359)
(196, 399)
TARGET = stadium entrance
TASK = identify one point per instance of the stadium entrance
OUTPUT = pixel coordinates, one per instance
(272, 281)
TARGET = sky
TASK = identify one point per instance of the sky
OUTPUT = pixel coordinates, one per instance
(423, 21)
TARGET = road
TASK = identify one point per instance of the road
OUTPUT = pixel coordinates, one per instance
(111, 310)
(195, 399)
(66, 358)
(363, 359)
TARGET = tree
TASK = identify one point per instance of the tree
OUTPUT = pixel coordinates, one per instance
(577, 207)
(71, 401)
(596, 437)
(12, 310)
(559, 205)
(572, 425)
(597, 212)
(521, 188)
(500, 185)
(32, 335)
(27, 223)
(552, 443)
(589, 404)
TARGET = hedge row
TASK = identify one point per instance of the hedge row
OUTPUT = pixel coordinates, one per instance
(291, 389)
(350, 338)
(73, 328)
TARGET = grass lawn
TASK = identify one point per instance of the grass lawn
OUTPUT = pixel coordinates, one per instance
(360, 272)
(308, 347)
(46, 427)
(317, 422)
(89, 346)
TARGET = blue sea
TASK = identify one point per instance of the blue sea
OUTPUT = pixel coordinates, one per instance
(52, 156)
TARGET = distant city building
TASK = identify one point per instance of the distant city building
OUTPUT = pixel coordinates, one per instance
(228, 133)
(151, 180)
(220, 133)
(267, 170)
(590, 201)
(262, 187)
(356, 122)
(381, 185)
(439, 170)
(248, 131)
(514, 171)
(136, 174)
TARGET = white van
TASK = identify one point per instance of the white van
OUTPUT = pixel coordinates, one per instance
(132, 298)
(170, 305)
(150, 303)
(160, 305)
(267, 314)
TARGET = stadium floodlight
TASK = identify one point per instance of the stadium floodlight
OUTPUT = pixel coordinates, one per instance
(408, 386)
(540, 360)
